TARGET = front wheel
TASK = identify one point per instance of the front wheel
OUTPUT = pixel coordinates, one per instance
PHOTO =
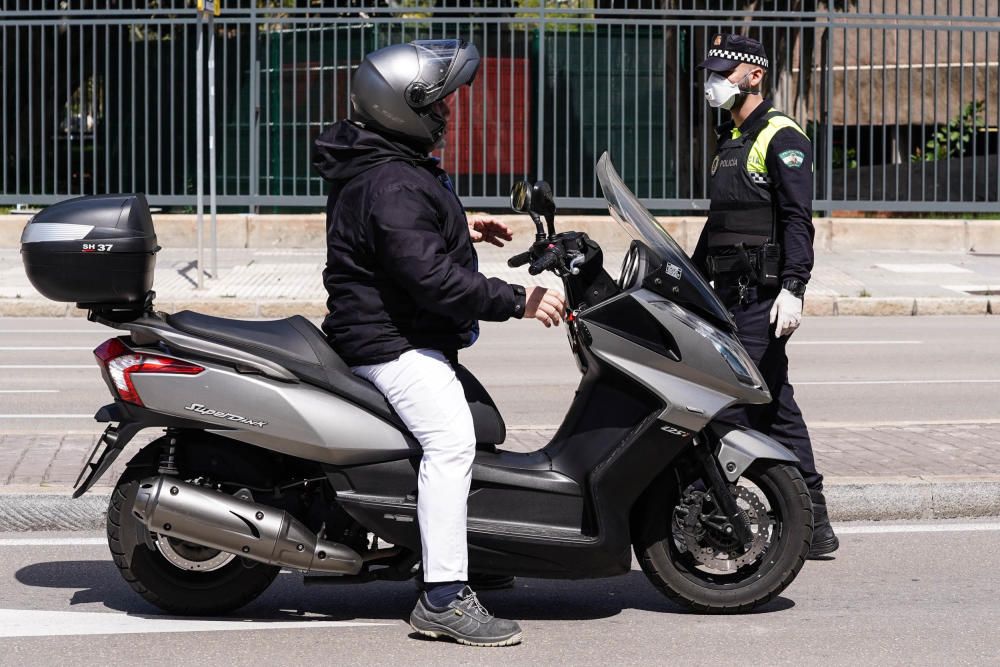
(685, 553)
(177, 576)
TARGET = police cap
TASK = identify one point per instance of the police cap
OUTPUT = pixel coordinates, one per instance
(728, 50)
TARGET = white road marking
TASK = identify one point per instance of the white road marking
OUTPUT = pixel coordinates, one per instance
(29, 391)
(846, 529)
(27, 367)
(923, 268)
(50, 416)
(50, 331)
(42, 348)
(36, 623)
(856, 342)
(924, 422)
(53, 541)
(883, 382)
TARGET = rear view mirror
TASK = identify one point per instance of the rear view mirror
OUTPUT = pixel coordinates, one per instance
(542, 200)
(535, 200)
(520, 197)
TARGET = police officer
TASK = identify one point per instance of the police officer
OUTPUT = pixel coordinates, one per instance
(757, 243)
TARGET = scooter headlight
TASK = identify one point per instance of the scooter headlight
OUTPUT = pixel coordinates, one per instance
(731, 350)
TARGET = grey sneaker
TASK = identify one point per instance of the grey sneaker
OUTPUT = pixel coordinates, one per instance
(466, 621)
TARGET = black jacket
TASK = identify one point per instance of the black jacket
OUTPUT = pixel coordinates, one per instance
(401, 272)
(792, 189)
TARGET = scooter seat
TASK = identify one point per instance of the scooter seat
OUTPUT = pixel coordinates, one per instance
(297, 345)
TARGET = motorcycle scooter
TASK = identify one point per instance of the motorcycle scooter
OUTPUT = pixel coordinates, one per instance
(274, 455)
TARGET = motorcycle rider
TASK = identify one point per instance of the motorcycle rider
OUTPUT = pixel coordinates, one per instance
(405, 295)
(757, 243)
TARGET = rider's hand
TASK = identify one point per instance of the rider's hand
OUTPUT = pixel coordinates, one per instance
(548, 306)
(490, 231)
(786, 313)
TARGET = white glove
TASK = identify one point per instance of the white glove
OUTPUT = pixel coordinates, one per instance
(787, 312)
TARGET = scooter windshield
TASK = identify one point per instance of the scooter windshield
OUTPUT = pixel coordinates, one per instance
(681, 281)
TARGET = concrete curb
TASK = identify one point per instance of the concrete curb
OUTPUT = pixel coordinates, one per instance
(849, 499)
(815, 306)
(52, 510)
(307, 230)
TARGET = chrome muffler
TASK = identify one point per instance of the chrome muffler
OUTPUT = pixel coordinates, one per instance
(170, 507)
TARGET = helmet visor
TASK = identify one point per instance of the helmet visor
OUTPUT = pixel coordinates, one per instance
(444, 65)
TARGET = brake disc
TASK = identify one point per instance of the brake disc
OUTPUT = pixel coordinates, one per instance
(722, 552)
(192, 557)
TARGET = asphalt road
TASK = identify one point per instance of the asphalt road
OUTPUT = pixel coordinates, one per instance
(845, 370)
(917, 594)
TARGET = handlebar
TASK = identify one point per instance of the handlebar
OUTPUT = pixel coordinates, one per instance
(549, 260)
(519, 259)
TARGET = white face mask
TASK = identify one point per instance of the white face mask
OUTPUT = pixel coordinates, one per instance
(720, 91)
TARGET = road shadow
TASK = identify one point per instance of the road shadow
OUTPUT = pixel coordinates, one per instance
(99, 582)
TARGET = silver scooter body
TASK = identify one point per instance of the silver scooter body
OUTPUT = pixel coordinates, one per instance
(663, 368)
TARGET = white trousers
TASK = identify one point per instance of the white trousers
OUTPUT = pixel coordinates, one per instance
(422, 388)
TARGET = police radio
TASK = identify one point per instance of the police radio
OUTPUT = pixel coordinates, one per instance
(769, 264)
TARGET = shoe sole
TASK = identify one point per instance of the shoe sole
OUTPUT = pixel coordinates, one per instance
(824, 548)
(435, 634)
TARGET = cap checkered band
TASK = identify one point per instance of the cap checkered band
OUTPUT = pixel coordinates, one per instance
(741, 57)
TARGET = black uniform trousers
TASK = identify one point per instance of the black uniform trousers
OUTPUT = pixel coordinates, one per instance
(781, 418)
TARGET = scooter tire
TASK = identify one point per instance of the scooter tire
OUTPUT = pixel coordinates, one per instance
(172, 589)
(665, 567)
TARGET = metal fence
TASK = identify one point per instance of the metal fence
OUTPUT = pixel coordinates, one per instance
(901, 98)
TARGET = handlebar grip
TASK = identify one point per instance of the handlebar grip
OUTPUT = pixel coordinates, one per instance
(543, 263)
(519, 260)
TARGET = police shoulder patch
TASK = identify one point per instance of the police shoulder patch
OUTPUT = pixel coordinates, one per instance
(792, 158)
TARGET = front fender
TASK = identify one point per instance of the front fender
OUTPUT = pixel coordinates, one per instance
(736, 448)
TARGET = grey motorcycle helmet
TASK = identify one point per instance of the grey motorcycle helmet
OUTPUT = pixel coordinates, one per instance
(395, 87)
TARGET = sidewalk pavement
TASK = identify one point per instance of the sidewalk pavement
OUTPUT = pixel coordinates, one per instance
(909, 471)
(277, 282)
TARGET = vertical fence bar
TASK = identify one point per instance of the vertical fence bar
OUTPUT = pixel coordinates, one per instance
(93, 115)
(199, 134)
(31, 115)
(212, 134)
(16, 138)
(828, 83)
(321, 74)
(580, 84)
(540, 143)
(947, 109)
(975, 118)
(961, 121)
(947, 114)
(6, 87)
(997, 64)
(986, 116)
(871, 107)
(294, 68)
(253, 116)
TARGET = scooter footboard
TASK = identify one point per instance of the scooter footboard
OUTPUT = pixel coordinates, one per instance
(737, 448)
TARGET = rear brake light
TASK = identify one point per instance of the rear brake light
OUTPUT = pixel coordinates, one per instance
(121, 363)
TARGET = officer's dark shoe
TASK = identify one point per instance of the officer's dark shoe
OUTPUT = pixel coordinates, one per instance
(824, 541)
(465, 620)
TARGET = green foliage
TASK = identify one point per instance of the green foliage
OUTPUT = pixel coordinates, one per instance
(842, 158)
(952, 139)
(584, 25)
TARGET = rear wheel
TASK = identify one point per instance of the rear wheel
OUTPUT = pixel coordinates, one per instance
(686, 553)
(177, 576)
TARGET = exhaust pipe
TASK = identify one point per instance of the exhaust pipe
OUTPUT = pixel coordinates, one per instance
(173, 508)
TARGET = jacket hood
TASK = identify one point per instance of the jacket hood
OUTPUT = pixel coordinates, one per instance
(347, 149)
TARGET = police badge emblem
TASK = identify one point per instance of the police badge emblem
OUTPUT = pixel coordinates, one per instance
(715, 165)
